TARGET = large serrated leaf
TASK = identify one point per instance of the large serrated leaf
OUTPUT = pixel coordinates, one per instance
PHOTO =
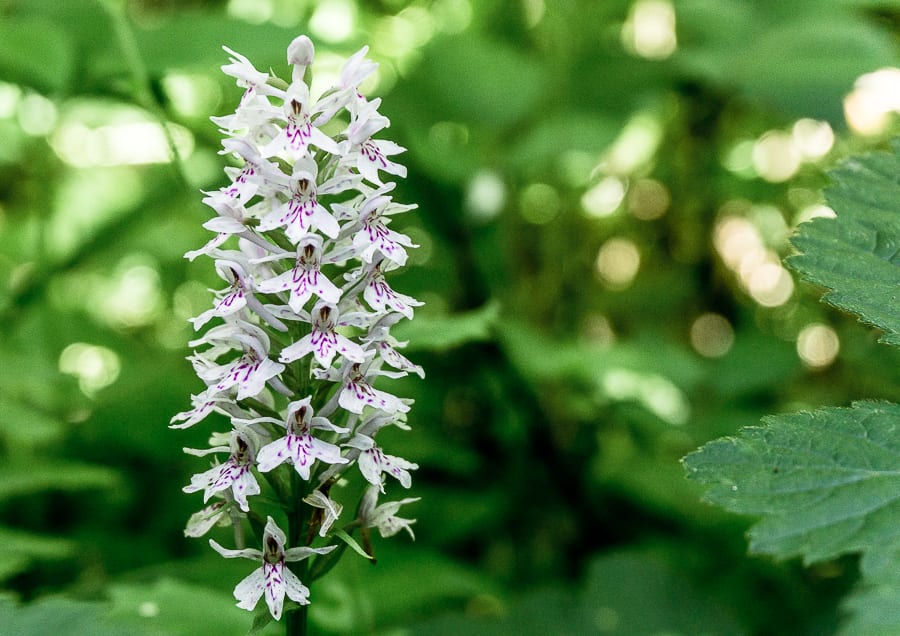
(874, 606)
(856, 255)
(825, 482)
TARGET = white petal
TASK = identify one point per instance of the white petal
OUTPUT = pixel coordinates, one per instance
(295, 590)
(246, 553)
(248, 591)
(272, 455)
(274, 587)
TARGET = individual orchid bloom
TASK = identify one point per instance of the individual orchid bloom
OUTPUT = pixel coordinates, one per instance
(372, 156)
(365, 120)
(232, 299)
(373, 462)
(203, 404)
(356, 392)
(253, 81)
(380, 339)
(366, 154)
(302, 212)
(272, 578)
(384, 517)
(324, 341)
(299, 133)
(247, 179)
(229, 222)
(238, 295)
(369, 427)
(355, 70)
(380, 297)
(331, 510)
(250, 372)
(305, 278)
(298, 446)
(235, 474)
(205, 519)
(374, 235)
(232, 220)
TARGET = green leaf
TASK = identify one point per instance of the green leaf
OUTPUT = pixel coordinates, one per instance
(35, 52)
(21, 548)
(350, 541)
(26, 427)
(440, 333)
(825, 482)
(24, 478)
(624, 593)
(857, 254)
(797, 58)
(174, 607)
(61, 616)
(874, 606)
(476, 80)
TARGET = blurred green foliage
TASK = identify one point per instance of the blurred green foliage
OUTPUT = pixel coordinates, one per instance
(605, 189)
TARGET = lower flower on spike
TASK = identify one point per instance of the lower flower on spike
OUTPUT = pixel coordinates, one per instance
(272, 578)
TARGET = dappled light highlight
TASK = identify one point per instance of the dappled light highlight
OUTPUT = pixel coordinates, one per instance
(875, 97)
(818, 345)
(617, 263)
(648, 199)
(649, 31)
(485, 196)
(758, 268)
(604, 198)
(95, 367)
(333, 21)
(711, 335)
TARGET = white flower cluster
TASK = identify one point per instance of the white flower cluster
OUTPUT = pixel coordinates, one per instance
(303, 242)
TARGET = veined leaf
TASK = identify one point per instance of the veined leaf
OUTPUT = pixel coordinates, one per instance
(857, 254)
(825, 482)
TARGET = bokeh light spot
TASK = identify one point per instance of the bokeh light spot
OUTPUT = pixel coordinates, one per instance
(775, 156)
(604, 198)
(485, 196)
(95, 367)
(333, 21)
(452, 16)
(818, 345)
(10, 94)
(617, 263)
(191, 95)
(252, 11)
(37, 115)
(649, 30)
(712, 335)
(874, 98)
(534, 11)
(770, 285)
(648, 199)
(812, 138)
(539, 203)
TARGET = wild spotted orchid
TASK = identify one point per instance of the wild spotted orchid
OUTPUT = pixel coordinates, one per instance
(299, 335)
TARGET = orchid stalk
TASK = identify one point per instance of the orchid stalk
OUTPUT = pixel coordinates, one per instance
(301, 330)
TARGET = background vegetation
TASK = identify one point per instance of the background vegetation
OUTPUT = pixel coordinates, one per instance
(606, 190)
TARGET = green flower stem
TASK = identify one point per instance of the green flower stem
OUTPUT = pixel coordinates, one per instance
(298, 519)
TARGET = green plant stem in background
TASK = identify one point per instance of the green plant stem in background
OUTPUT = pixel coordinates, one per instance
(143, 93)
